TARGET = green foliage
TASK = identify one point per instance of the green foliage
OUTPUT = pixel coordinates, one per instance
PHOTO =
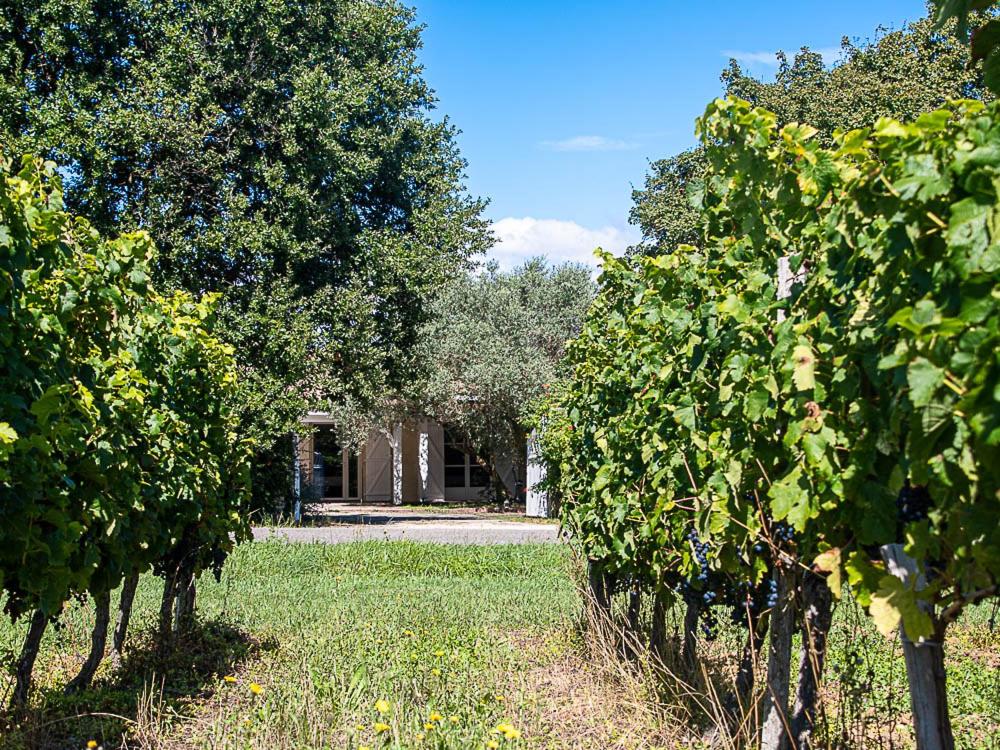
(706, 395)
(490, 351)
(280, 154)
(119, 449)
(493, 348)
(899, 74)
(985, 38)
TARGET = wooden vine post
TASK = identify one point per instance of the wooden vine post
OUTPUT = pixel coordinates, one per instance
(537, 499)
(924, 663)
(776, 728)
(816, 618)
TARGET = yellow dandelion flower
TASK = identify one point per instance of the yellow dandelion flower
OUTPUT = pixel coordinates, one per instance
(383, 706)
(453, 719)
(360, 727)
(493, 744)
(420, 737)
(507, 730)
(229, 678)
(256, 689)
(381, 727)
(435, 716)
(408, 633)
(428, 726)
(92, 744)
(439, 653)
(500, 699)
(436, 672)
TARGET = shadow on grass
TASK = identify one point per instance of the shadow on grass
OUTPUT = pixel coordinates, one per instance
(123, 707)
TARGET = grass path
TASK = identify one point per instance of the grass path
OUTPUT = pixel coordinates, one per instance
(460, 647)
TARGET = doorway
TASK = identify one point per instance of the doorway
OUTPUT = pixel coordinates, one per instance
(336, 471)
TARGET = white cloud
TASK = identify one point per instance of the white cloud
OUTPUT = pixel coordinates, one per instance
(752, 58)
(588, 143)
(519, 239)
(830, 54)
(769, 59)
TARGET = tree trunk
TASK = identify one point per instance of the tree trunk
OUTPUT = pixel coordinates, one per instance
(396, 446)
(776, 728)
(167, 607)
(124, 615)
(601, 586)
(817, 603)
(632, 637)
(742, 707)
(184, 595)
(689, 653)
(501, 496)
(924, 663)
(98, 640)
(600, 596)
(658, 631)
(26, 663)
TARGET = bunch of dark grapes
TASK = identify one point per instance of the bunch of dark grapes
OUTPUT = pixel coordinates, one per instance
(782, 532)
(772, 593)
(747, 602)
(700, 554)
(707, 586)
(912, 504)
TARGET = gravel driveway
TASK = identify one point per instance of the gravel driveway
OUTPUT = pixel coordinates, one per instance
(353, 524)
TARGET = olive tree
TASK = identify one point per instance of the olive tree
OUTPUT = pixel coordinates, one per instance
(494, 346)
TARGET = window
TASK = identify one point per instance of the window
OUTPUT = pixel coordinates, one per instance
(461, 469)
(353, 474)
(336, 471)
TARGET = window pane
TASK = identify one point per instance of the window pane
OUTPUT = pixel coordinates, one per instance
(353, 475)
(454, 476)
(329, 480)
(453, 456)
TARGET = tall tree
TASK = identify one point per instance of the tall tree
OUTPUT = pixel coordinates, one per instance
(897, 74)
(495, 345)
(280, 153)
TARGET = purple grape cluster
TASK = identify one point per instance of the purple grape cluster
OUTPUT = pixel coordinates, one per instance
(772, 593)
(782, 532)
(912, 504)
(700, 554)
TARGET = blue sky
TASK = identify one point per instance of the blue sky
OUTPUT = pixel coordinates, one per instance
(562, 104)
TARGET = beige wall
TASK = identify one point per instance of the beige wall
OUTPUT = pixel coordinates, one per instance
(376, 451)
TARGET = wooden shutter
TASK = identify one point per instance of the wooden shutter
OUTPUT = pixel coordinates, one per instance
(433, 484)
(378, 469)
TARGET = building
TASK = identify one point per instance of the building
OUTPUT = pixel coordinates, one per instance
(414, 462)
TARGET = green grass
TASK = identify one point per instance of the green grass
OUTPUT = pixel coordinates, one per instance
(488, 635)
(328, 630)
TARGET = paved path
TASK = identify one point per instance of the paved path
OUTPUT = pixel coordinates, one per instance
(353, 523)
